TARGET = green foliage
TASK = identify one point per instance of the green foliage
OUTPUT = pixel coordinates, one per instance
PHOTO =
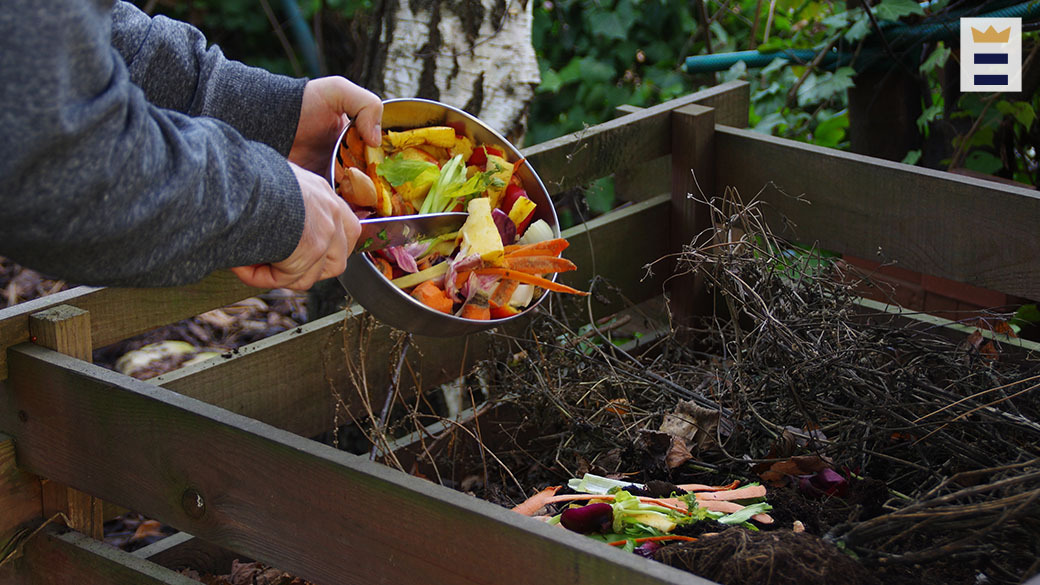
(896, 9)
(239, 27)
(1026, 315)
(596, 55)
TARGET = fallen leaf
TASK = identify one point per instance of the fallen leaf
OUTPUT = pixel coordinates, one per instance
(148, 529)
(678, 453)
(1004, 328)
(696, 425)
(779, 473)
(974, 340)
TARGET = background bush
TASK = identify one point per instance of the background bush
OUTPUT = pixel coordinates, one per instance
(595, 55)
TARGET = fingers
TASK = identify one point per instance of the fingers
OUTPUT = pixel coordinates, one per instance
(268, 276)
(329, 234)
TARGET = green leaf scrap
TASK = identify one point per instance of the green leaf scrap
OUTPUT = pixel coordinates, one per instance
(895, 9)
(1021, 111)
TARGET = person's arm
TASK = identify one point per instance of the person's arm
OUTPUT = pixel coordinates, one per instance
(97, 186)
(171, 62)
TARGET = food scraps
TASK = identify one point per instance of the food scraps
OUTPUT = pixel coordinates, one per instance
(607, 510)
(497, 263)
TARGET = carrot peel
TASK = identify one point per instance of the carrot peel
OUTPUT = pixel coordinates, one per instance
(530, 279)
(744, 493)
(539, 264)
(433, 296)
(503, 292)
(536, 502)
(553, 247)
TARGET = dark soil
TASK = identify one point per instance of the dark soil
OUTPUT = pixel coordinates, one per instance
(782, 557)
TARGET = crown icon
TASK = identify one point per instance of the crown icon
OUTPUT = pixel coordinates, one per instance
(990, 35)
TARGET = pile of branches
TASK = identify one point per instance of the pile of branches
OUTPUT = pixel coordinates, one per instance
(790, 375)
(950, 423)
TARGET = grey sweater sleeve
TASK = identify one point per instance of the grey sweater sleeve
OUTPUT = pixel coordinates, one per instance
(170, 62)
(100, 186)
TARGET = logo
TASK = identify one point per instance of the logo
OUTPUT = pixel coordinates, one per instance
(991, 54)
(990, 35)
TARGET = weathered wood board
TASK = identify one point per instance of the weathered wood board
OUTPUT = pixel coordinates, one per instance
(20, 496)
(306, 508)
(978, 232)
(119, 313)
(71, 558)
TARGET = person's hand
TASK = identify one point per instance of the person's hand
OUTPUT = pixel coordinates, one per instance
(327, 102)
(330, 232)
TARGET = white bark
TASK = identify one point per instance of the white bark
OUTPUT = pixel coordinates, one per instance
(495, 72)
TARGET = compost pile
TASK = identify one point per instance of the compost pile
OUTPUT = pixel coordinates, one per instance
(892, 450)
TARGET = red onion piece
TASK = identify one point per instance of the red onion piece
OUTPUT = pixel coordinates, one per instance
(506, 227)
(403, 259)
(597, 517)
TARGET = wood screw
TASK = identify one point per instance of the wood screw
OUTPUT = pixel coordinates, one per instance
(193, 504)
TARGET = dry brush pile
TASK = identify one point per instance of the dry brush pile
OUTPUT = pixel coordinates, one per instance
(892, 441)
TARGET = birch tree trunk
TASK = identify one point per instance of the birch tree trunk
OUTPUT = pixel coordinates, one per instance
(472, 54)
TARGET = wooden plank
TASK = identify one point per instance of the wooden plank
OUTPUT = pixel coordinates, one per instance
(578, 158)
(616, 248)
(183, 551)
(1018, 348)
(319, 513)
(645, 180)
(19, 495)
(63, 559)
(288, 380)
(66, 329)
(296, 379)
(119, 313)
(978, 232)
(693, 185)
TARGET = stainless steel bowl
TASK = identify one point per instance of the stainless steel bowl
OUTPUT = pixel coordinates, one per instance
(378, 295)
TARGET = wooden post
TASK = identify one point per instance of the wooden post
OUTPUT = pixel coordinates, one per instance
(19, 500)
(651, 177)
(693, 183)
(66, 329)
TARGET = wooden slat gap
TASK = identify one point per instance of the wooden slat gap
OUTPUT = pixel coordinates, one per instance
(120, 313)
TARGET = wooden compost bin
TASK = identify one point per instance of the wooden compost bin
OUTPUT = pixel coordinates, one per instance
(219, 449)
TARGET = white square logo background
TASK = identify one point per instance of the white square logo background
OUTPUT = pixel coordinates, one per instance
(979, 76)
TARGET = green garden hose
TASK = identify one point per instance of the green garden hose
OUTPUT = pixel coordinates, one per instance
(899, 36)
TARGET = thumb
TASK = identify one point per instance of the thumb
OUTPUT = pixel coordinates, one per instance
(364, 107)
